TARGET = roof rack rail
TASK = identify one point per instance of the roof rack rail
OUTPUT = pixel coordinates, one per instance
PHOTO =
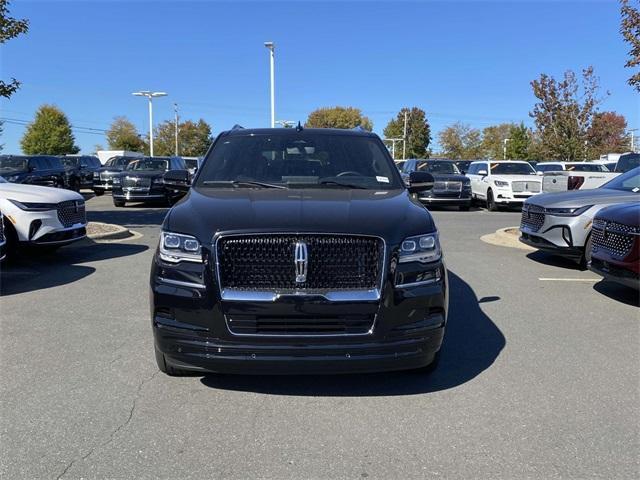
(237, 127)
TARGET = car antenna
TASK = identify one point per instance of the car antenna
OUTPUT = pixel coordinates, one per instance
(299, 127)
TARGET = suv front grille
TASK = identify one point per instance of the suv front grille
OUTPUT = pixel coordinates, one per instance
(446, 186)
(71, 212)
(532, 217)
(133, 182)
(614, 238)
(266, 262)
(316, 326)
(520, 186)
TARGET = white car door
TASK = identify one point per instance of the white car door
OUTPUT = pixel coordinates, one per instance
(479, 183)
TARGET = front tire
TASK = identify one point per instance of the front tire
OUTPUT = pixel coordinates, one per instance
(491, 203)
(586, 257)
(98, 193)
(119, 203)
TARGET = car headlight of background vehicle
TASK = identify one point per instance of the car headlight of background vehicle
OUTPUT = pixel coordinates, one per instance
(500, 183)
(158, 181)
(176, 247)
(116, 180)
(34, 207)
(422, 248)
(567, 212)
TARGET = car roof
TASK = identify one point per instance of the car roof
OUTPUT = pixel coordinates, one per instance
(294, 131)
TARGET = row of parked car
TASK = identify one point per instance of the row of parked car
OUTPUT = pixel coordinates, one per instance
(508, 183)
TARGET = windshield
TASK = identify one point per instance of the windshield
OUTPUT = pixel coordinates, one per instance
(438, 167)
(512, 168)
(585, 167)
(148, 164)
(627, 182)
(548, 167)
(69, 162)
(627, 162)
(13, 164)
(303, 159)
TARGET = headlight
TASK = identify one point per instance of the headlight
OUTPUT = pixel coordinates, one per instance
(423, 248)
(116, 180)
(175, 248)
(11, 178)
(34, 207)
(567, 212)
(500, 183)
(96, 175)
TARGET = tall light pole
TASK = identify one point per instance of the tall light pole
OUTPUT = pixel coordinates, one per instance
(175, 111)
(150, 96)
(504, 148)
(271, 46)
(404, 138)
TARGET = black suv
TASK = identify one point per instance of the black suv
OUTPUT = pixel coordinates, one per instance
(450, 186)
(42, 170)
(103, 178)
(298, 251)
(80, 170)
(142, 181)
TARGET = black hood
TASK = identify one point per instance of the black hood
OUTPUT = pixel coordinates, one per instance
(449, 177)
(391, 214)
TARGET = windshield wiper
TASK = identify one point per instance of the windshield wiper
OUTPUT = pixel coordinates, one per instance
(241, 183)
(341, 184)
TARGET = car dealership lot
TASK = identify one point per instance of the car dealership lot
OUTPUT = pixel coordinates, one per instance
(538, 377)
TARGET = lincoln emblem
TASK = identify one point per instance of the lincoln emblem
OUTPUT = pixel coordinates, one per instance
(301, 260)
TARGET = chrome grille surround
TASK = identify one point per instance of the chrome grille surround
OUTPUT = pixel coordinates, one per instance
(447, 186)
(614, 238)
(532, 217)
(71, 212)
(136, 182)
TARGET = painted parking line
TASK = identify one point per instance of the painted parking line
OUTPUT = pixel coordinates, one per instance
(569, 279)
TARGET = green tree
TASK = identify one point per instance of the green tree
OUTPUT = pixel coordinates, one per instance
(123, 135)
(493, 140)
(460, 142)
(49, 134)
(630, 30)
(418, 132)
(194, 138)
(607, 134)
(10, 28)
(564, 112)
(338, 117)
(519, 144)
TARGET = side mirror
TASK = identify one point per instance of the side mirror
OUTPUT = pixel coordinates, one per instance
(178, 180)
(420, 181)
(482, 173)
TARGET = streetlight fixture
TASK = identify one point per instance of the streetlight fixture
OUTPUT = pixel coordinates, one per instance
(504, 148)
(271, 46)
(286, 123)
(150, 96)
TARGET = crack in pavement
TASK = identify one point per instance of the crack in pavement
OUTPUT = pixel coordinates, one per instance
(114, 432)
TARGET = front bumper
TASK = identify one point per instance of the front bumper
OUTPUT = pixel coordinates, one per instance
(102, 185)
(190, 328)
(616, 272)
(560, 235)
(444, 201)
(141, 194)
(505, 196)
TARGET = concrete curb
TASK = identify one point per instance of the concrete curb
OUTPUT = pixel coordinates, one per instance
(118, 234)
(506, 237)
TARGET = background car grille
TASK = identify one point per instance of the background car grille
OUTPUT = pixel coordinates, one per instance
(532, 217)
(533, 187)
(303, 325)
(443, 186)
(71, 212)
(266, 262)
(614, 238)
(129, 182)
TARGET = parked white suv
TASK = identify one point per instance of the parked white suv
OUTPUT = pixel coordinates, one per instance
(504, 183)
(41, 216)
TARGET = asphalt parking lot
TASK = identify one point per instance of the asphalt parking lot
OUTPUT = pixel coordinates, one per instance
(538, 379)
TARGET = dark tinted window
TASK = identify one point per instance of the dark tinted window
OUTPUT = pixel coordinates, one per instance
(69, 161)
(549, 167)
(38, 163)
(438, 167)
(512, 168)
(628, 162)
(15, 164)
(307, 158)
(177, 164)
(585, 167)
(149, 164)
(629, 182)
(54, 163)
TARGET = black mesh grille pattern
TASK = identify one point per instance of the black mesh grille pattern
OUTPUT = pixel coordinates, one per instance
(532, 217)
(71, 212)
(614, 238)
(266, 262)
(263, 325)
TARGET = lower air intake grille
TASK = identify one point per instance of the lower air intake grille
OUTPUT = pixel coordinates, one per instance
(267, 262)
(264, 325)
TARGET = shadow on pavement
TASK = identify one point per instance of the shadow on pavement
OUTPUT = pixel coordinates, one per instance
(472, 343)
(618, 292)
(554, 260)
(32, 270)
(136, 215)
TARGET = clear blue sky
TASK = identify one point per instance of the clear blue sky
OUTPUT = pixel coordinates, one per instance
(467, 61)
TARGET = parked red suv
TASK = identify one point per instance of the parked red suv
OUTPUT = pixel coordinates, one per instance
(615, 235)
